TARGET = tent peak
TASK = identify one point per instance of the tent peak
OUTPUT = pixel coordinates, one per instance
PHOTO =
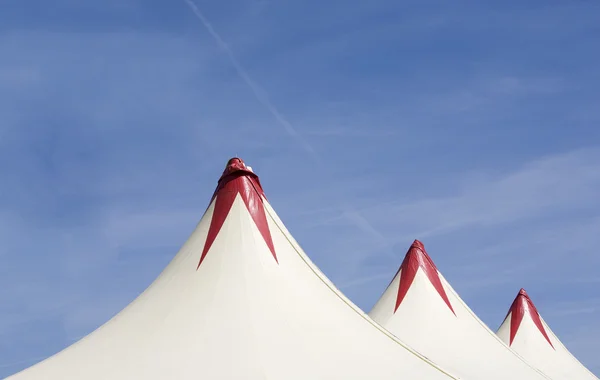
(235, 168)
(418, 244)
(238, 179)
(417, 258)
(521, 306)
(236, 164)
(523, 299)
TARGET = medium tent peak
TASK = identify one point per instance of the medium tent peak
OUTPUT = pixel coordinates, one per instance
(417, 258)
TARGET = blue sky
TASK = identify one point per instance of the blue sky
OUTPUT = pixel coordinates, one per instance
(471, 127)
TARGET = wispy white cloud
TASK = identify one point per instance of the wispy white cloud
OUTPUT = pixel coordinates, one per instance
(569, 308)
(350, 131)
(550, 184)
(532, 206)
(582, 340)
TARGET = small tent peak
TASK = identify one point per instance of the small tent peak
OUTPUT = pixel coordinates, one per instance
(524, 301)
(417, 258)
(521, 306)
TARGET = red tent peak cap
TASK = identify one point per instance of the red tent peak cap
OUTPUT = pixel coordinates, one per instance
(238, 179)
(235, 168)
(523, 305)
(234, 160)
(417, 248)
(417, 258)
(418, 244)
(236, 164)
(523, 300)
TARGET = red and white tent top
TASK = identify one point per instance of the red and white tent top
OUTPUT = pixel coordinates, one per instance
(528, 334)
(420, 307)
(240, 300)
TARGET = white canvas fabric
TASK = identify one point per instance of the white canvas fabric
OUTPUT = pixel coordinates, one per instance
(528, 334)
(254, 307)
(421, 308)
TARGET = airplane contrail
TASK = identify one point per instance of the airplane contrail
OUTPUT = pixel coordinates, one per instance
(259, 93)
(350, 213)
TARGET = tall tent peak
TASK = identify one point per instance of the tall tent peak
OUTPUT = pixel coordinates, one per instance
(238, 178)
(240, 315)
(523, 305)
(235, 164)
(236, 167)
(416, 258)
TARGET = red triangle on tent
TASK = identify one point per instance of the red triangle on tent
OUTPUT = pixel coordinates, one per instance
(416, 258)
(238, 179)
(523, 305)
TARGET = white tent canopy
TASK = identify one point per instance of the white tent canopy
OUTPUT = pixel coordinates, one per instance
(420, 307)
(240, 300)
(529, 335)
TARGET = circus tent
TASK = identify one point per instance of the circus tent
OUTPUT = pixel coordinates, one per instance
(241, 300)
(526, 332)
(421, 308)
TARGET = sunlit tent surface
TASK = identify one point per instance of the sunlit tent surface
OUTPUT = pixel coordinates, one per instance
(528, 334)
(240, 300)
(421, 308)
